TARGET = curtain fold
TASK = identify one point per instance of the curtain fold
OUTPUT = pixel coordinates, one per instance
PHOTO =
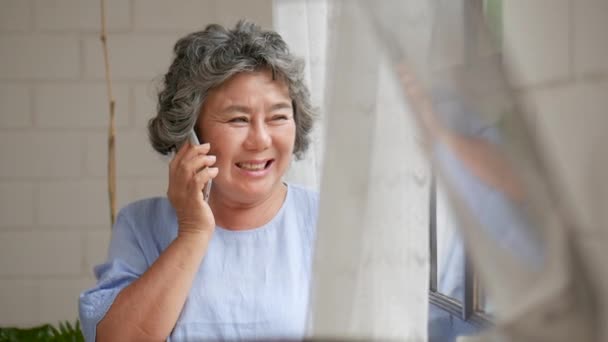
(370, 277)
(303, 25)
(371, 269)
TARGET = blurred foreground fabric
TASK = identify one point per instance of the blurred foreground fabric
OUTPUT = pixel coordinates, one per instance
(525, 189)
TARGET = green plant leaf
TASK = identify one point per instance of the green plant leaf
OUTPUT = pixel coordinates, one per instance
(65, 332)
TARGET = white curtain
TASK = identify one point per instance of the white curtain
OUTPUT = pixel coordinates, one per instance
(303, 25)
(371, 258)
(371, 263)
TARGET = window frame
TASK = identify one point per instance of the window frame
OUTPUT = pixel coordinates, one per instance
(470, 310)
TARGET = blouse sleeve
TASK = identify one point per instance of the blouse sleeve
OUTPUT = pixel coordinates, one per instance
(126, 262)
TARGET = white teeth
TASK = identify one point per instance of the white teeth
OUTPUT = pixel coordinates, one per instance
(252, 167)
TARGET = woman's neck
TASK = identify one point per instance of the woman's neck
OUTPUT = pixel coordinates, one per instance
(234, 215)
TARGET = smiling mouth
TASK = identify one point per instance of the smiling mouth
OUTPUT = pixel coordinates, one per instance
(257, 166)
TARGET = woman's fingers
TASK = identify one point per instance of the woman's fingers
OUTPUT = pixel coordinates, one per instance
(420, 101)
(410, 83)
(179, 155)
(198, 163)
(195, 151)
(202, 161)
(189, 160)
(187, 173)
(202, 177)
(187, 152)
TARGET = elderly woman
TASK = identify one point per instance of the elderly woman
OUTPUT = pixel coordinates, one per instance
(238, 266)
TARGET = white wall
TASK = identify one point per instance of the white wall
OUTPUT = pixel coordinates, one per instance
(54, 221)
(561, 49)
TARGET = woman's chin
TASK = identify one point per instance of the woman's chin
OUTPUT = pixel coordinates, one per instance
(256, 191)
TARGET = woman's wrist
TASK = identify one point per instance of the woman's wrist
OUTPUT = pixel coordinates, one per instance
(194, 235)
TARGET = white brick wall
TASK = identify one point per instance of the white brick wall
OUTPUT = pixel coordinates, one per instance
(536, 38)
(147, 164)
(81, 15)
(57, 297)
(39, 56)
(577, 111)
(54, 216)
(15, 15)
(144, 103)
(15, 106)
(229, 11)
(55, 106)
(34, 153)
(17, 207)
(590, 43)
(96, 248)
(561, 52)
(129, 51)
(40, 253)
(158, 15)
(20, 301)
(58, 200)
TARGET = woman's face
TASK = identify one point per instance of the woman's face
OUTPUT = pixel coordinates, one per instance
(249, 122)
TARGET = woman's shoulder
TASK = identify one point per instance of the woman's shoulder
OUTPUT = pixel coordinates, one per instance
(149, 217)
(147, 208)
(303, 195)
(305, 201)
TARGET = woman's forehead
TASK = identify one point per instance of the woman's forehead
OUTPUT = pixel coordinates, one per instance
(254, 78)
(250, 87)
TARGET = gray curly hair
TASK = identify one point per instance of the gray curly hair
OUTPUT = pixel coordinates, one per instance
(205, 59)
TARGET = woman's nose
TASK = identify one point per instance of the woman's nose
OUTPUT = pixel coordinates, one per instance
(259, 137)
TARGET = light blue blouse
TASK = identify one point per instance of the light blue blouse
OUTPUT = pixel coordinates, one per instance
(251, 284)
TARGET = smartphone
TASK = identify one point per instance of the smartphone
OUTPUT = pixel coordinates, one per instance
(207, 189)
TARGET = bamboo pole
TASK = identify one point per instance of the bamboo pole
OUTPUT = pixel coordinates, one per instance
(112, 125)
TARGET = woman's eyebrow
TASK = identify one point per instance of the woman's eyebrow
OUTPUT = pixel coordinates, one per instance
(236, 109)
(280, 105)
(246, 110)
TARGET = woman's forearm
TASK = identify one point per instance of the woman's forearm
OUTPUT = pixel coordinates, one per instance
(486, 162)
(149, 308)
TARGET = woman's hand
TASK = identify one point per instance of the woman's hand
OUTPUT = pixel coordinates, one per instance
(420, 103)
(149, 307)
(189, 171)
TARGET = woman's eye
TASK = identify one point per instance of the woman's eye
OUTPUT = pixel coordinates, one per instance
(239, 120)
(280, 117)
